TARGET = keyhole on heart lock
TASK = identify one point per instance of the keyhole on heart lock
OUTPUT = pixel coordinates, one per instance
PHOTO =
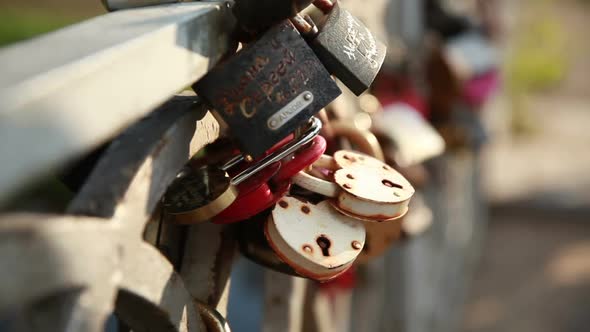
(390, 184)
(324, 243)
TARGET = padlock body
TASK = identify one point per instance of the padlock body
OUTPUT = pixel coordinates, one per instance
(349, 50)
(268, 89)
(198, 194)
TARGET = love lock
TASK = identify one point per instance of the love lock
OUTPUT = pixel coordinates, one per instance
(322, 181)
(254, 195)
(319, 179)
(363, 140)
(372, 192)
(363, 187)
(317, 241)
(346, 46)
(257, 194)
(268, 89)
(379, 236)
(198, 195)
(346, 158)
(413, 139)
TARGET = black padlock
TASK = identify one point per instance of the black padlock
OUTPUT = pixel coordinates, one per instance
(268, 89)
(348, 49)
(257, 15)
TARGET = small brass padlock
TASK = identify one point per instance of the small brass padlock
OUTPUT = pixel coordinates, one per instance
(198, 195)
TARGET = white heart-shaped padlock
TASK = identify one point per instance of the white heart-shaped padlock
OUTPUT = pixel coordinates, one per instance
(313, 181)
(346, 158)
(317, 182)
(315, 240)
(363, 187)
(372, 192)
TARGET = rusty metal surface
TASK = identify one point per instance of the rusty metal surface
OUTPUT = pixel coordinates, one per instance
(206, 264)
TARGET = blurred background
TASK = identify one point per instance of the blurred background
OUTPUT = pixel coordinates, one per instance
(534, 270)
(534, 274)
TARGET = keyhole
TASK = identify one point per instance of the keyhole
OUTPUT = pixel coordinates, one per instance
(390, 184)
(324, 244)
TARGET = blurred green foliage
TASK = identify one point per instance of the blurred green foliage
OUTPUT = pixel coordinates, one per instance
(537, 61)
(539, 58)
(18, 24)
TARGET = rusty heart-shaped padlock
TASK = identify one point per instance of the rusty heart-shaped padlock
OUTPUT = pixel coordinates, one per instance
(363, 187)
(370, 189)
(320, 179)
(315, 240)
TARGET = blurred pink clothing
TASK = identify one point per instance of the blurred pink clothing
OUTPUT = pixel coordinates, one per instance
(477, 91)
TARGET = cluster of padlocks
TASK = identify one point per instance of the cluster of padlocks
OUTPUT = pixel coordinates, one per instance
(311, 207)
(314, 208)
(311, 185)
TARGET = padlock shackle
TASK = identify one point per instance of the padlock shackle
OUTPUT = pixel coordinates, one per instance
(305, 25)
(365, 140)
(289, 148)
(232, 162)
(214, 321)
(324, 5)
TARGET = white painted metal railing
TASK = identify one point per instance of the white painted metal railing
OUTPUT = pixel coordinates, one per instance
(67, 92)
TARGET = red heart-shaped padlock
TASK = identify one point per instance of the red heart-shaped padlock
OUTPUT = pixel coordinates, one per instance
(257, 194)
(301, 160)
